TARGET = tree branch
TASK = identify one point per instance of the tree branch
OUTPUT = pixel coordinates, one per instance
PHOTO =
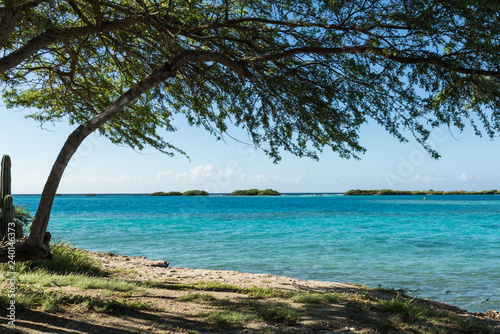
(430, 60)
(96, 7)
(78, 12)
(39, 42)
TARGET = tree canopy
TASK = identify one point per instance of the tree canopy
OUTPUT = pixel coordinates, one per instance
(299, 76)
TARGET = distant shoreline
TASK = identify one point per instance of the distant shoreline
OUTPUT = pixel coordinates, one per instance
(212, 194)
(353, 192)
(386, 192)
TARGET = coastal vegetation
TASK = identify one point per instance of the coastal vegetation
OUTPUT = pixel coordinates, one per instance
(170, 193)
(195, 193)
(358, 192)
(177, 193)
(75, 289)
(255, 192)
(300, 77)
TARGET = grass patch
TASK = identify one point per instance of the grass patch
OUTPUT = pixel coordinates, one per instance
(278, 313)
(28, 297)
(228, 316)
(161, 285)
(109, 306)
(197, 297)
(317, 298)
(65, 260)
(51, 304)
(275, 312)
(362, 297)
(398, 306)
(266, 292)
(254, 291)
(413, 313)
(44, 278)
(214, 286)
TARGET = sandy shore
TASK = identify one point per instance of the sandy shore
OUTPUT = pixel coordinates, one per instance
(160, 271)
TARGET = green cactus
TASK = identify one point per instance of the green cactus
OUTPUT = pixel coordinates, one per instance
(5, 185)
(7, 208)
(8, 212)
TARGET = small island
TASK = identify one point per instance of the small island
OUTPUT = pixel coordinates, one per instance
(382, 192)
(255, 192)
(177, 193)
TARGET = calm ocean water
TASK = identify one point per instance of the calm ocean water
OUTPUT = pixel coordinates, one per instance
(446, 248)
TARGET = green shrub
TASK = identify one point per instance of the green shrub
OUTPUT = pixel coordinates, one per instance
(249, 192)
(358, 192)
(170, 193)
(417, 192)
(269, 192)
(195, 193)
(24, 217)
(255, 192)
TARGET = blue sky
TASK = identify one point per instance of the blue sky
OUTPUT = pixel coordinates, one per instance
(468, 162)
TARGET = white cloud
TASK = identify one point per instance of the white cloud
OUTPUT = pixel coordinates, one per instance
(464, 177)
(181, 176)
(425, 179)
(98, 180)
(203, 172)
(298, 178)
(163, 175)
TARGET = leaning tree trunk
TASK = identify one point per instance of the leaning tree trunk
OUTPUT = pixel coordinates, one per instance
(36, 246)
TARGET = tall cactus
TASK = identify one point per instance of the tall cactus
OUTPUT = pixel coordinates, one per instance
(8, 210)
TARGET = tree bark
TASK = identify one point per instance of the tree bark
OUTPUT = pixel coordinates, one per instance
(10, 15)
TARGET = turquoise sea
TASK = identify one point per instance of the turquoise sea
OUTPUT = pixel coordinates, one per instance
(446, 248)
